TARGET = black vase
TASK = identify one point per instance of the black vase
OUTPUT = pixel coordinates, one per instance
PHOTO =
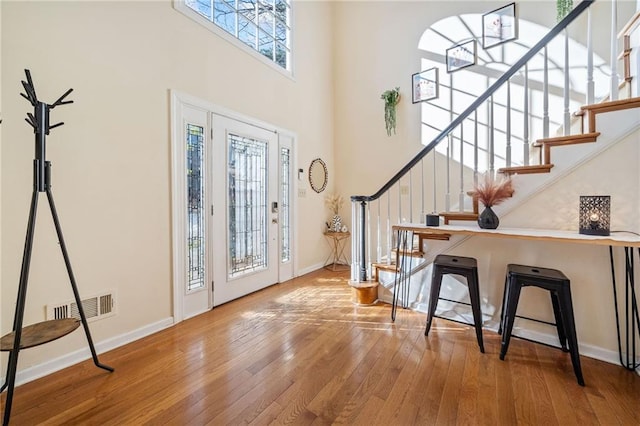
(488, 219)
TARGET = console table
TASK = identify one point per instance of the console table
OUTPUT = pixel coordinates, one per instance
(620, 240)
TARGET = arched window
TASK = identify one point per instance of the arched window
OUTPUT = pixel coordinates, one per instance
(459, 88)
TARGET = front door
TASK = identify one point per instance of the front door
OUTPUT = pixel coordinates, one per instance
(245, 220)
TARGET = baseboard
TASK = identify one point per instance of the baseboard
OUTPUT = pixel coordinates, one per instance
(308, 269)
(587, 350)
(590, 351)
(46, 368)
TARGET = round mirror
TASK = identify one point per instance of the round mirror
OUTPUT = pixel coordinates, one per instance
(318, 175)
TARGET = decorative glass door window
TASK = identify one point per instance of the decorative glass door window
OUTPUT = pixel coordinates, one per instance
(195, 207)
(285, 207)
(247, 205)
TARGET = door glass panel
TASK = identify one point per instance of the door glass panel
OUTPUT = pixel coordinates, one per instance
(248, 210)
(285, 191)
(195, 207)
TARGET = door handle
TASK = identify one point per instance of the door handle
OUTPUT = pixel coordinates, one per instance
(274, 220)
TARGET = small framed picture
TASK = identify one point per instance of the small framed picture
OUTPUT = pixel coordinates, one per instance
(461, 56)
(499, 26)
(424, 85)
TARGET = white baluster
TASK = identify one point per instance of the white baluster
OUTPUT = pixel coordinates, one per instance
(355, 260)
(422, 211)
(491, 138)
(378, 235)
(590, 82)
(614, 51)
(411, 196)
(475, 147)
(545, 95)
(525, 130)
(508, 153)
(435, 180)
(389, 236)
(368, 246)
(400, 201)
(447, 202)
(567, 115)
(461, 196)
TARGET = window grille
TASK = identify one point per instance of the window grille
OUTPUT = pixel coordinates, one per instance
(263, 25)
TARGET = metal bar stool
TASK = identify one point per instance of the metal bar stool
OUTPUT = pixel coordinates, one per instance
(558, 285)
(456, 265)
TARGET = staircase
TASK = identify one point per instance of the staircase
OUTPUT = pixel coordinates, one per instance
(372, 216)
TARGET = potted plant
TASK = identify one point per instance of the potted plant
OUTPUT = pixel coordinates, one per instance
(491, 192)
(563, 7)
(391, 99)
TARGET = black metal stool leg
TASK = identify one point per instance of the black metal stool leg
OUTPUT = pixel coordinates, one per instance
(566, 309)
(513, 294)
(504, 301)
(436, 282)
(560, 326)
(474, 295)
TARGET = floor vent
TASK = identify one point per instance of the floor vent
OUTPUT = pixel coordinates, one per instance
(95, 307)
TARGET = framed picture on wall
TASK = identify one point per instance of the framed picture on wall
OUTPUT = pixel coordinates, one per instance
(424, 85)
(461, 56)
(499, 26)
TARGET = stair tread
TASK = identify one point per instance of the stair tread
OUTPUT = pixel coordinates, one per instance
(538, 168)
(448, 216)
(413, 252)
(386, 267)
(568, 140)
(613, 105)
(434, 236)
(460, 215)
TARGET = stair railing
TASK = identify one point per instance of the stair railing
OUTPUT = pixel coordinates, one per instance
(461, 137)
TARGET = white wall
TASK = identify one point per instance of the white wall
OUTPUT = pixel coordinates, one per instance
(111, 160)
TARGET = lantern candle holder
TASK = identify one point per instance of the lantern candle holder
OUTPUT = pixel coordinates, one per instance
(595, 213)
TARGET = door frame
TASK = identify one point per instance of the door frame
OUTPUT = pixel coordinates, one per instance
(179, 100)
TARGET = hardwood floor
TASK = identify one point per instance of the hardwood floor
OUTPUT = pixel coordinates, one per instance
(302, 353)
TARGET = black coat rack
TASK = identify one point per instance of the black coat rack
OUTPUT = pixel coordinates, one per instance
(37, 334)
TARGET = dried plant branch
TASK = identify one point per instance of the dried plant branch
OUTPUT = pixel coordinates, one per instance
(334, 202)
(492, 192)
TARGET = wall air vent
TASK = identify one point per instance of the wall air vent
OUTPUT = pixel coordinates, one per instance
(95, 307)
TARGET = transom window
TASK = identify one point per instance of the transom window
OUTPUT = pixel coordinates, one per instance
(263, 25)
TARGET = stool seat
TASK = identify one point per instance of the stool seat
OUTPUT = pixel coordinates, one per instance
(559, 287)
(456, 265)
(456, 262)
(536, 274)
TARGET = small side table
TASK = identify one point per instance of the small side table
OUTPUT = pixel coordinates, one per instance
(336, 261)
